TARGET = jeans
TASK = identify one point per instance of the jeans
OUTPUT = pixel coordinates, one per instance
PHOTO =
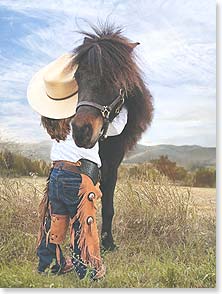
(63, 198)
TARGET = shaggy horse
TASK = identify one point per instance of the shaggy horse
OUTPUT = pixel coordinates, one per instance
(107, 72)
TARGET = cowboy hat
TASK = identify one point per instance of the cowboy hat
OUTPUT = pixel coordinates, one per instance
(53, 90)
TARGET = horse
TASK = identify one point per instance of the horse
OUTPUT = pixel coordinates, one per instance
(108, 75)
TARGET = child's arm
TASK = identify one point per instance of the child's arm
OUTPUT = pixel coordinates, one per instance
(117, 125)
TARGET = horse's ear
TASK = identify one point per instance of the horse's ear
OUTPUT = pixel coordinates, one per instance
(133, 45)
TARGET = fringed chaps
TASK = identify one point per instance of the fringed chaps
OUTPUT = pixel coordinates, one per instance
(88, 237)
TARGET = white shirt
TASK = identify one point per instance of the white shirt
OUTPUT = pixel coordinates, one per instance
(67, 150)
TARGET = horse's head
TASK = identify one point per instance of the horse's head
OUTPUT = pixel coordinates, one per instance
(105, 73)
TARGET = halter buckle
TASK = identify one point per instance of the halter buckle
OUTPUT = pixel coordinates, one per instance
(105, 111)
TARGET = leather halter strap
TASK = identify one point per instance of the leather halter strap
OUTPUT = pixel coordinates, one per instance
(105, 110)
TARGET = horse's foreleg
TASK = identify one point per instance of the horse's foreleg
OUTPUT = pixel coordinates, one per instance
(108, 187)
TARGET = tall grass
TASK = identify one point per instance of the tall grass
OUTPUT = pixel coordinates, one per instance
(162, 241)
(19, 223)
(150, 209)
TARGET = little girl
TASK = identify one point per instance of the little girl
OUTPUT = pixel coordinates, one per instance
(73, 182)
(63, 192)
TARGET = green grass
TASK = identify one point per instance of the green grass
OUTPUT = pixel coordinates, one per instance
(163, 242)
(130, 266)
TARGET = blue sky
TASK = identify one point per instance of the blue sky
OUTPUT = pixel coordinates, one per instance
(177, 55)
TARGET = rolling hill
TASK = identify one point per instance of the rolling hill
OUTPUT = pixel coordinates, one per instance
(187, 155)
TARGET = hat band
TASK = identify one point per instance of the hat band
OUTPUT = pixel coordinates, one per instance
(64, 98)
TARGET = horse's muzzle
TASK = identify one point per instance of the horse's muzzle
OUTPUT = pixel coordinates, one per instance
(82, 135)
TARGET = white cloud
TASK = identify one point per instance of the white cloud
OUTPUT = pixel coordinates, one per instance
(183, 116)
(177, 54)
(19, 123)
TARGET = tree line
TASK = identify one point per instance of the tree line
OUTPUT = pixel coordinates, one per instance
(196, 177)
(199, 177)
(13, 164)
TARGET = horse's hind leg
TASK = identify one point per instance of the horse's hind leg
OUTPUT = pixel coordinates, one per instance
(108, 187)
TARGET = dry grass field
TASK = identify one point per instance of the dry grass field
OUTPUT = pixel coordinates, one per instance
(165, 236)
(205, 200)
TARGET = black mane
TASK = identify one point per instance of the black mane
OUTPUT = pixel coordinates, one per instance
(108, 55)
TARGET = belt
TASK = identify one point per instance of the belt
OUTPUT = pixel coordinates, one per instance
(83, 166)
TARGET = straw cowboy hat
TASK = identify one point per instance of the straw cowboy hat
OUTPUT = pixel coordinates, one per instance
(53, 90)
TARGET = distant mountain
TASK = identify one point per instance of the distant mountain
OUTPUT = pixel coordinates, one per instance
(39, 150)
(187, 155)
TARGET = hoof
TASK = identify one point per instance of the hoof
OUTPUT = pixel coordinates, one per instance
(107, 243)
(110, 248)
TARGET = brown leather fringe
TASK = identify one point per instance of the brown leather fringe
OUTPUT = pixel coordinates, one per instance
(58, 229)
(88, 240)
(43, 210)
(58, 255)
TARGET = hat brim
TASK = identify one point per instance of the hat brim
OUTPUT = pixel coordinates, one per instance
(44, 105)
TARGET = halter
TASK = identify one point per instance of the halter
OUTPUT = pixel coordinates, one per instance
(105, 111)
